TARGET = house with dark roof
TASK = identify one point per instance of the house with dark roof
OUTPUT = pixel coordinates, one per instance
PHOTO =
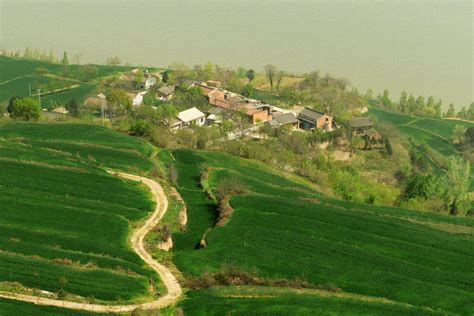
(286, 119)
(312, 119)
(165, 93)
(360, 125)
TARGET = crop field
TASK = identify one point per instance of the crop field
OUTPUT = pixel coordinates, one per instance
(16, 76)
(64, 222)
(87, 143)
(10, 307)
(281, 228)
(271, 301)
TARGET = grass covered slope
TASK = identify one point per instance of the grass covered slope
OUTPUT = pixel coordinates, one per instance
(17, 75)
(64, 222)
(91, 144)
(274, 301)
(282, 228)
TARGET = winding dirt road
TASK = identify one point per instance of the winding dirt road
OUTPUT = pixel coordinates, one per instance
(169, 280)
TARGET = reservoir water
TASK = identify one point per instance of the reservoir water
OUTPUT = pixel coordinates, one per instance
(423, 47)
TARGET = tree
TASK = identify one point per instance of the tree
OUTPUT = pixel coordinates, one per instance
(250, 75)
(73, 107)
(65, 63)
(139, 78)
(179, 73)
(279, 78)
(24, 108)
(463, 113)
(470, 111)
(437, 108)
(456, 185)
(459, 133)
(165, 77)
(118, 102)
(425, 186)
(388, 146)
(420, 103)
(451, 112)
(403, 103)
(411, 104)
(247, 90)
(113, 61)
(270, 72)
(386, 99)
(51, 57)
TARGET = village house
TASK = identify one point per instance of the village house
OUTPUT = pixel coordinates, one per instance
(312, 119)
(214, 83)
(165, 93)
(286, 119)
(189, 117)
(210, 93)
(364, 127)
(255, 116)
(360, 125)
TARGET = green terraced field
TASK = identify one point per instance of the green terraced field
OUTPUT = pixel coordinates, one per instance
(9, 307)
(17, 74)
(264, 301)
(87, 143)
(64, 222)
(284, 229)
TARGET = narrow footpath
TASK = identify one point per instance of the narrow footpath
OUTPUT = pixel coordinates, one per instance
(174, 290)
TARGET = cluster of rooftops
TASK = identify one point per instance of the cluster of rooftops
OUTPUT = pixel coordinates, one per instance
(226, 103)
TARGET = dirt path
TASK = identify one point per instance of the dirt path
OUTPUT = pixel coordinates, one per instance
(168, 279)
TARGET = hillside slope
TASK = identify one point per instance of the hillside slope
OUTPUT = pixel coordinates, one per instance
(64, 221)
(282, 229)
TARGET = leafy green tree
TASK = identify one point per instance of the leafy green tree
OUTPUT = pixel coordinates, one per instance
(451, 112)
(386, 99)
(437, 108)
(420, 104)
(403, 103)
(247, 90)
(250, 75)
(24, 108)
(462, 114)
(388, 146)
(118, 102)
(73, 107)
(411, 104)
(425, 186)
(470, 111)
(165, 77)
(459, 133)
(456, 184)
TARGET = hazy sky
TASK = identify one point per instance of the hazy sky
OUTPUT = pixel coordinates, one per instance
(423, 47)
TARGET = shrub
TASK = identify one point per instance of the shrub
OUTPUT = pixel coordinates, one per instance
(24, 108)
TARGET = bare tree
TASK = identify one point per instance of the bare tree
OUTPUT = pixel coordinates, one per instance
(279, 78)
(271, 73)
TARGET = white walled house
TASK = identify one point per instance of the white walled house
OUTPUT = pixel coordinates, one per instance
(189, 117)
